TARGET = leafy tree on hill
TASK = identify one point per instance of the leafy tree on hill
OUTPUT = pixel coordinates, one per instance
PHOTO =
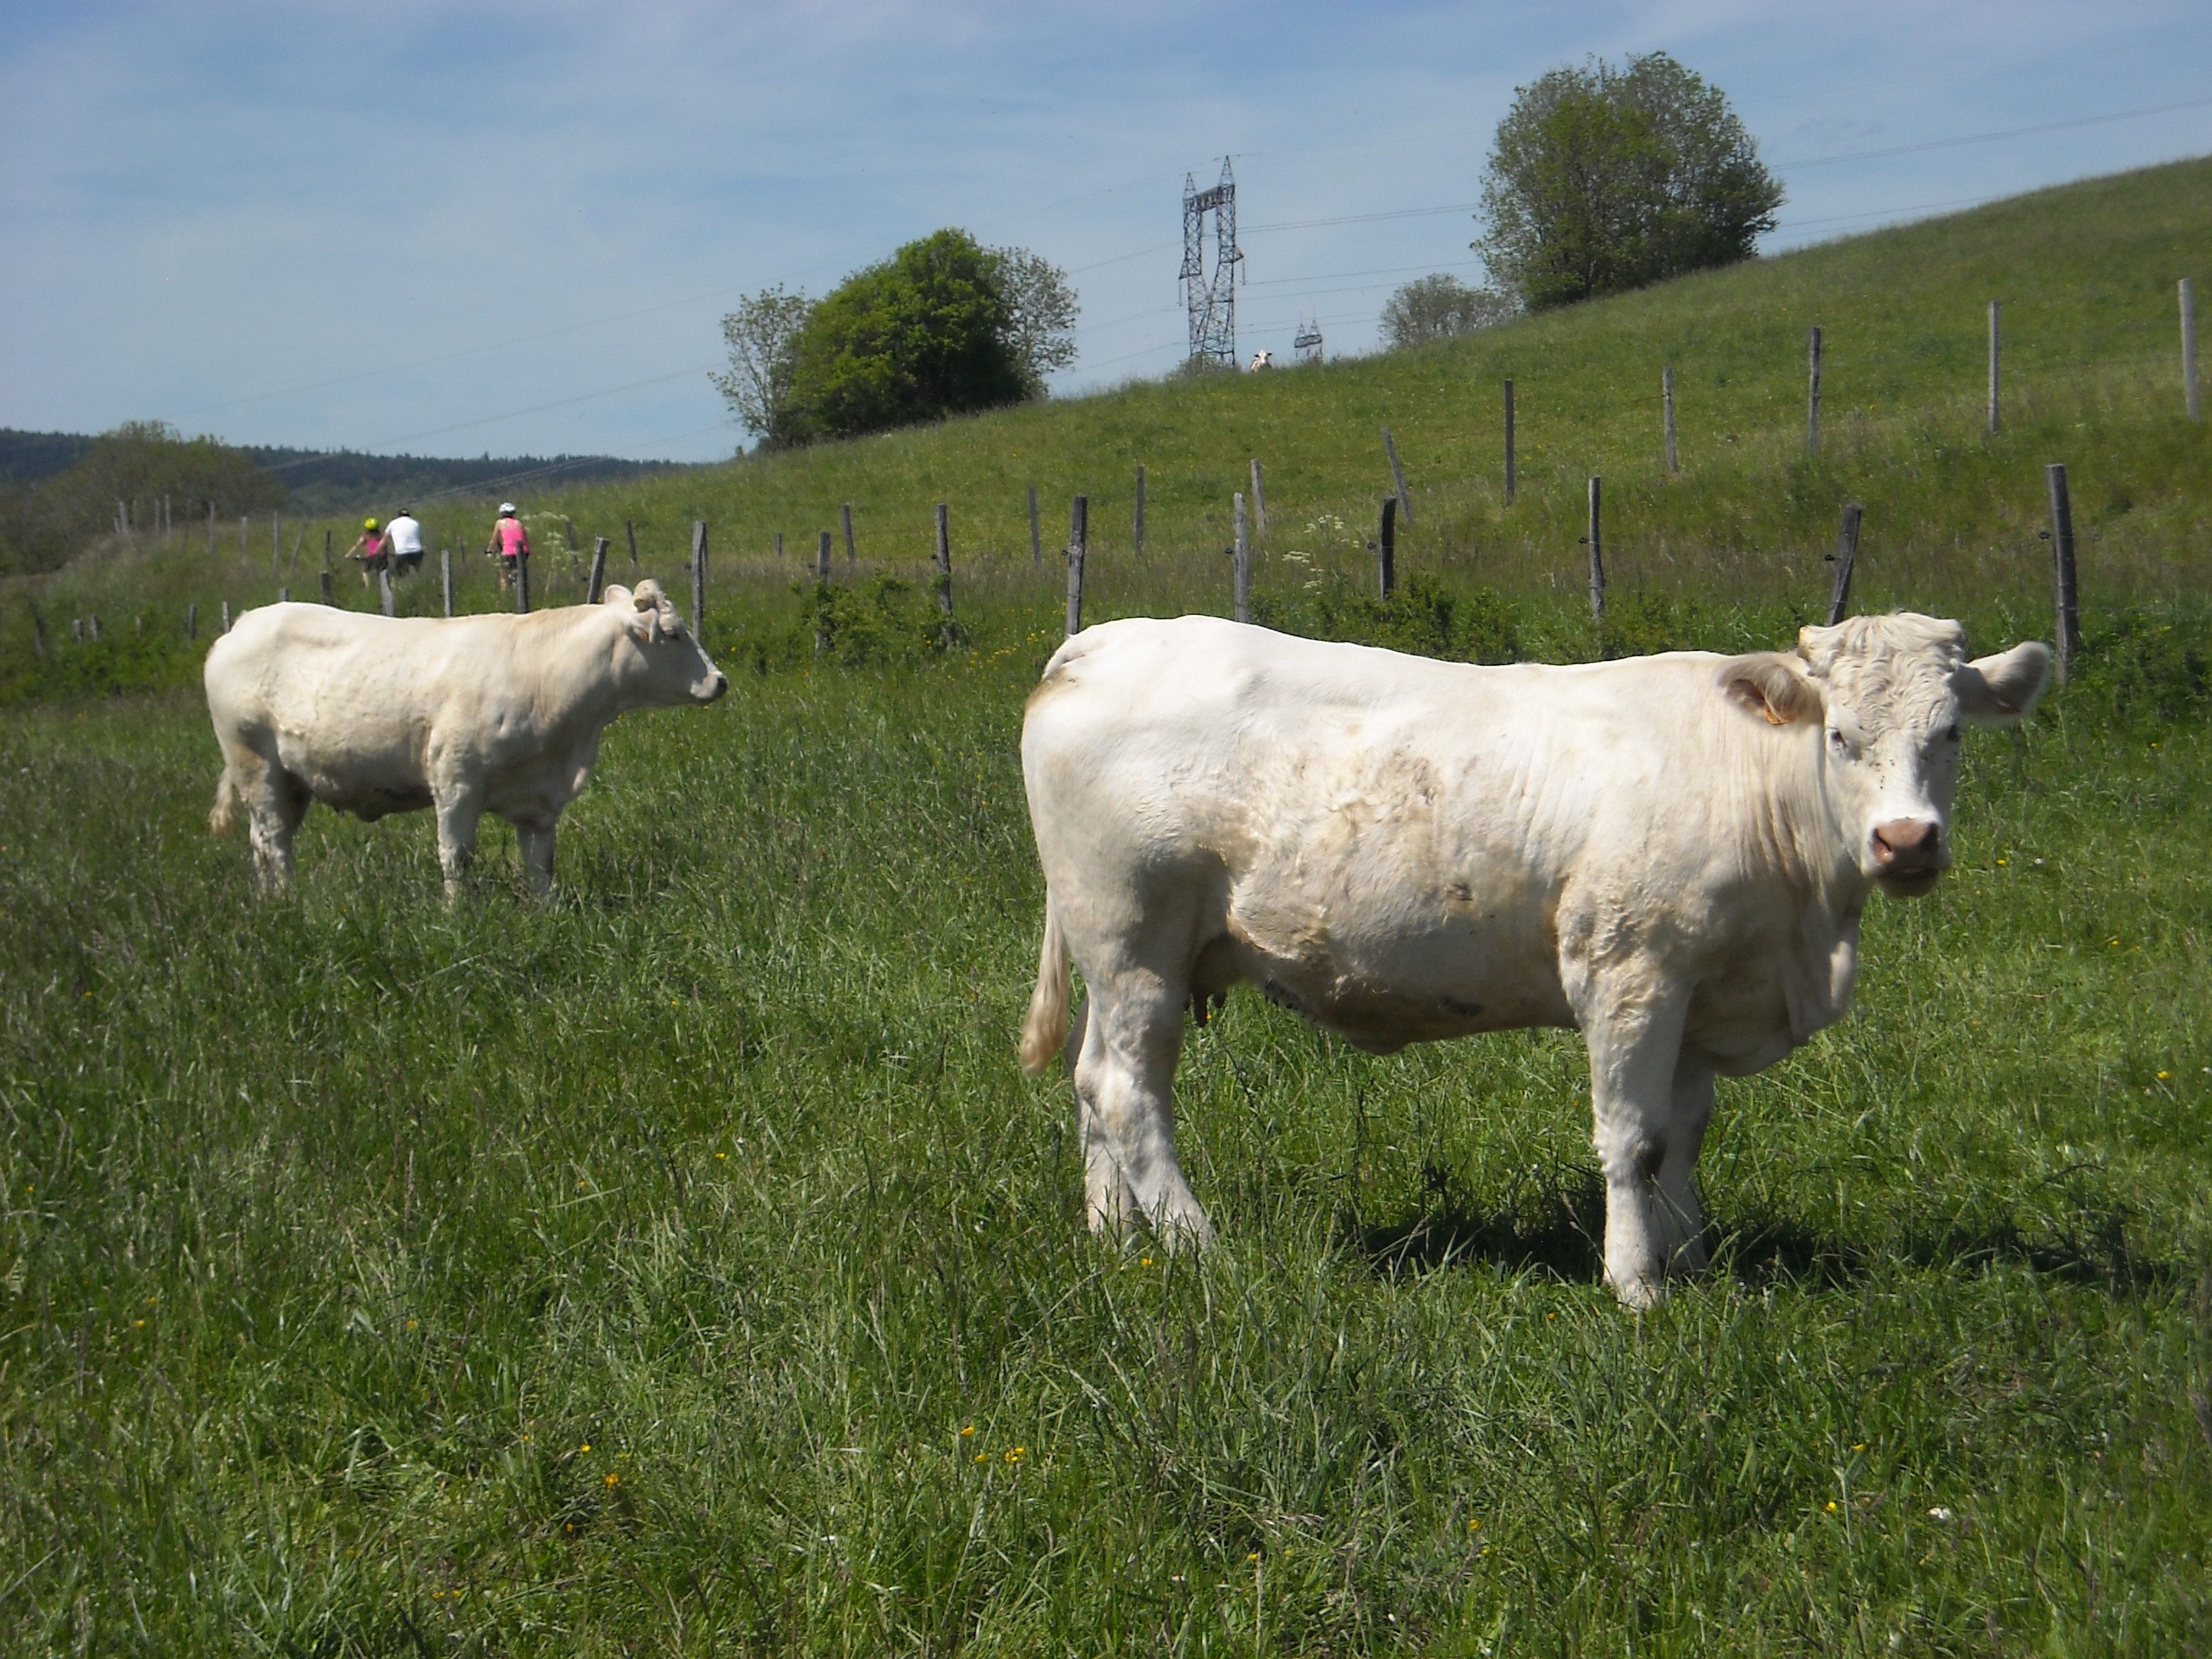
(944, 327)
(1607, 178)
(1437, 306)
(43, 524)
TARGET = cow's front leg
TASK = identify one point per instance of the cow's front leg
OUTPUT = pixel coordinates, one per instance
(459, 810)
(1680, 1217)
(536, 839)
(1634, 1031)
(1125, 1108)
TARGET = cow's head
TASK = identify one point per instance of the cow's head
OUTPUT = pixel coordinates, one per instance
(1889, 696)
(665, 664)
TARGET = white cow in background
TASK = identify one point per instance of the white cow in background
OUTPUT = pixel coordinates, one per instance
(1671, 853)
(495, 713)
(1261, 360)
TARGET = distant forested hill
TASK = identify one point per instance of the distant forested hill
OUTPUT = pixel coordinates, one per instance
(332, 481)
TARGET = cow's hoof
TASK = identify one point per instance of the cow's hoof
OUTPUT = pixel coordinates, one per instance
(1187, 1230)
(1637, 1294)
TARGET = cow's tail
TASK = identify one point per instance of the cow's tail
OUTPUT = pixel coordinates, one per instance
(226, 804)
(1044, 1034)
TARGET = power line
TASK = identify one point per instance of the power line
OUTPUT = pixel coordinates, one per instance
(1988, 138)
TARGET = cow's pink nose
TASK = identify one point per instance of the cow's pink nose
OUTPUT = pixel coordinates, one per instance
(1906, 844)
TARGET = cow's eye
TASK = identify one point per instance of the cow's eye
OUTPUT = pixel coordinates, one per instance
(1836, 740)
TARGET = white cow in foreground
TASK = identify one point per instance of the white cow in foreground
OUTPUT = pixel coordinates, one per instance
(1671, 853)
(469, 715)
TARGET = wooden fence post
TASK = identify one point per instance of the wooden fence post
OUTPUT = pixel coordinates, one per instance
(330, 592)
(1996, 407)
(225, 628)
(1036, 543)
(244, 532)
(77, 631)
(1813, 391)
(1141, 511)
(326, 552)
(191, 623)
(1398, 477)
(275, 542)
(945, 630)
(2062, 554)
(822, 595)
(1078, 541)
(1259, 500)
(851, 554)
(445, 576)
(1847, 558)
(1596, 541)
(630, 531)
(1386, 547)
(598, 585)
(699, 580)
(93, 627)
(568, 531)
(778, 547)
(386, 598)
(522, 585)
(283, 596)
(1240, 565)
(1509, 441)
(2192, 397)
(211, 530)
(1667, 399)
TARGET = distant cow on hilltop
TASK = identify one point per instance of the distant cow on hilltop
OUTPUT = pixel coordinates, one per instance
(1262, 359)
(496, 714)
(1671, 853)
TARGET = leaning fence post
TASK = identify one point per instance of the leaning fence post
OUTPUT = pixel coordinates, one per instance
(1508, 441)
(1141, 511)
(630, 531)
(1259, 500)
(1036, 543)
(1386, 547)
(2192, 397)
(1813, 391)
(699, 579)
(2061, 555)
(445, 577)
(851, 554)
(1667, 398)
(1995, 406)
(778, 547)
(522, 585)
(1079, 540)
(1847, 558)
(1398, 477)
(1596, 541)
(1241, 558)
(329, 593)
(822, 559)
(383, 594)
(191, 623)
(599, 570)
(945, 631)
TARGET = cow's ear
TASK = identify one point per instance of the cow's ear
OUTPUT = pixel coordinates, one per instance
(616, 594)
(1772, 686)
(1997, 691)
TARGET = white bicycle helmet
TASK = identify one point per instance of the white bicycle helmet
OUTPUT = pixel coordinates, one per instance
(507, 507)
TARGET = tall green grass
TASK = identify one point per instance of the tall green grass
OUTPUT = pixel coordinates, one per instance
(684, 1264)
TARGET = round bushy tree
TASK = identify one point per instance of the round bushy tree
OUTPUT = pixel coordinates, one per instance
(925, 334)
(1604, 180)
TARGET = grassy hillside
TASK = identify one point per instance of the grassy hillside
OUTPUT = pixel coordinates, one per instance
(2086, 274)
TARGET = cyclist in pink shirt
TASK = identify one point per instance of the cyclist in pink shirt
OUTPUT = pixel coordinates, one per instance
(509, 543)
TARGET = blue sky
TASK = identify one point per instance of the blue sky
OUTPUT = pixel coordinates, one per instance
(462, 227)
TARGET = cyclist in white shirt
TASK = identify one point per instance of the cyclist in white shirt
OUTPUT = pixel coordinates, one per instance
(404, 536)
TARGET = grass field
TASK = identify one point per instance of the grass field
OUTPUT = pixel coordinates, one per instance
(684, 1264)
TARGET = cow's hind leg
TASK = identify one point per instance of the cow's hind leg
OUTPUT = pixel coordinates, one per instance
(275, 803)
(1130, 1040)
(1680, 1216)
